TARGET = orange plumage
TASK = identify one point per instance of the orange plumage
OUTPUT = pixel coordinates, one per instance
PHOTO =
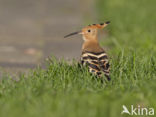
(92, 54)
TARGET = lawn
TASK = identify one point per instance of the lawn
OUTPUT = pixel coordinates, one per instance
(64, 90)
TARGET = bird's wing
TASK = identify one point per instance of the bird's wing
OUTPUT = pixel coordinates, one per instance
(91, 60)
(97, 63)
(104, 64)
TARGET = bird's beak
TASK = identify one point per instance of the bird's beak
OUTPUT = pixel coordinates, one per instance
(71, 34)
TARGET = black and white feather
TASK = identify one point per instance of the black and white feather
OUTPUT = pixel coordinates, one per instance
(97, 63)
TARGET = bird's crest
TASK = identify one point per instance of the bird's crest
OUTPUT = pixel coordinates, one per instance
(98, 26)
(89, 28)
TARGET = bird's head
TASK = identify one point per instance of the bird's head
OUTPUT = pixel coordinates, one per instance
(90, 32)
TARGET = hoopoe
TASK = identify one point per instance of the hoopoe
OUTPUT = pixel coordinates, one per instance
(92, 54)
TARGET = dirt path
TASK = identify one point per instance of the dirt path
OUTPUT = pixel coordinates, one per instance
(30, 31)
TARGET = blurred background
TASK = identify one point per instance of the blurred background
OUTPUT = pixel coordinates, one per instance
(32, 30)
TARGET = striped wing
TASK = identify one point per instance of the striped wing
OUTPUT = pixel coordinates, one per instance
(97, 62)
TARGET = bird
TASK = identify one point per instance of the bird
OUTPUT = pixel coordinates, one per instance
(93, 55)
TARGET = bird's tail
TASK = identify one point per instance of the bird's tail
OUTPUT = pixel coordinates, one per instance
(108, 77)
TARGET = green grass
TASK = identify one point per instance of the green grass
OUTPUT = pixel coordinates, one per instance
(64, 90)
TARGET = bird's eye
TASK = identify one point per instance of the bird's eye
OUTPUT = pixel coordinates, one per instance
(89, 30)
